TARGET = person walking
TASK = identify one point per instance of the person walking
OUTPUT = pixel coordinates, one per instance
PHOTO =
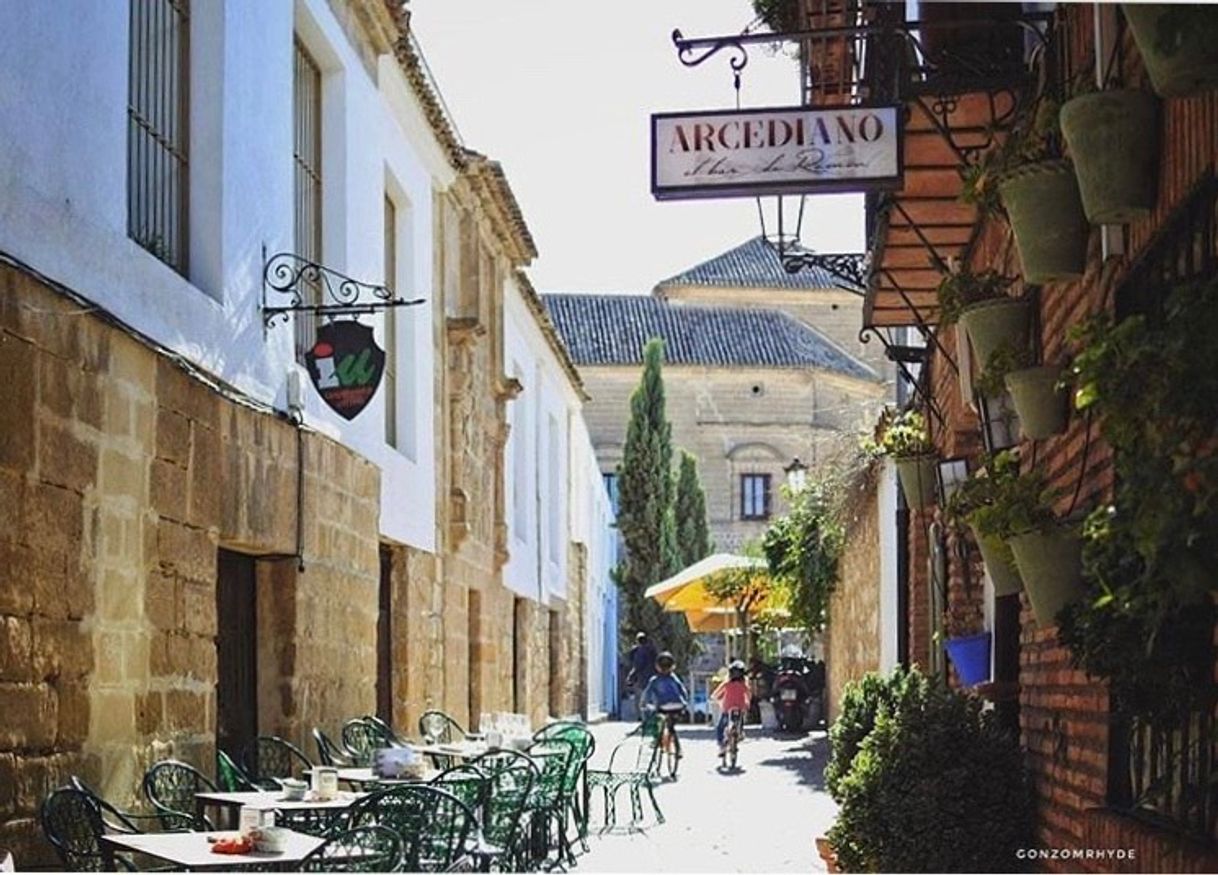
(642, 666)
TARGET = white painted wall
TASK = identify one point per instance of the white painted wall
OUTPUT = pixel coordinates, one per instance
(63, 159)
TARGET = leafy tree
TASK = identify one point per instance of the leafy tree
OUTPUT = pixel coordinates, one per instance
(645, 511)
(743, 590)
(693, 532)
(803, 549)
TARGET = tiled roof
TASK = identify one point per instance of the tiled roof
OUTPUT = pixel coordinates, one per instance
(751, 265)
(612, 330)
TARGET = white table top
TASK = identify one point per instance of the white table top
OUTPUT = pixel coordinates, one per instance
(266, 800)
(365, 775)
(192, 849)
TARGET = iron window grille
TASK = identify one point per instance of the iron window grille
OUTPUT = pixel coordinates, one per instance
(307, 183)
(755, 496)
(158, 133)
(1171, 776)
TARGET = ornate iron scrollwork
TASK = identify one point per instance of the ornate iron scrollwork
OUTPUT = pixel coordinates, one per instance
(336, 294)
(851, 268)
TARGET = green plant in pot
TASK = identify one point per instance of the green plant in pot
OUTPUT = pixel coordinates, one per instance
(1047, 552)
(980, 303)
(1039, 191)
(904, 437)
(968, 505)
(1151, 554)
(1036, 391)
(1178, 43)
(780, 16)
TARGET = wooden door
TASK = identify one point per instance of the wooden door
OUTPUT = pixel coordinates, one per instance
(384, 640)
(236, 652)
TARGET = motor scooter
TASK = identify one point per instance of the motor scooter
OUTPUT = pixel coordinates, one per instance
(790, 696)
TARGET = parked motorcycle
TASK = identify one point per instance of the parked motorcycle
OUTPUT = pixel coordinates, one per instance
(790, 696)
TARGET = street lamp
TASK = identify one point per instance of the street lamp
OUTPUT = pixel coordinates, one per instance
(797, 475)
(782, 220)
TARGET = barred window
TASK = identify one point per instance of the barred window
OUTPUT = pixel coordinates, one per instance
(157, 128)
(755, 496)
(306, 163)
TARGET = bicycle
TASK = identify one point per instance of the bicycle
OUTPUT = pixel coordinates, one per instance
(735, 729)
(668, 743)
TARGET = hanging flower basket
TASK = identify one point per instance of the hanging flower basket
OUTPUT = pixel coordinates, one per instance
(1178, 43)
(1046, 215)
(996, 324)
(999, 562)
(918, 480)
(1115, 153)
(1051, 565)
(971, 657)
(1043, 406)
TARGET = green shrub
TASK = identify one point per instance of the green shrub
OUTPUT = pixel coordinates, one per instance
(934, 787)
(862, 702)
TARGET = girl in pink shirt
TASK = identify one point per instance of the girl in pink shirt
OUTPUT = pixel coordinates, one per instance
(733, 695)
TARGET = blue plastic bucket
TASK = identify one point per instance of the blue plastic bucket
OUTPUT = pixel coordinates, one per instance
(971, 656)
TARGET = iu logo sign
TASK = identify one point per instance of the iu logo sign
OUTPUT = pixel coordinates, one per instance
(346, 366)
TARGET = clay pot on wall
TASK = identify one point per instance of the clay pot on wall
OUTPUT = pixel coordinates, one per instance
(1178, 43)
(1042, 202)
(1115, 148)
(1042, 405)
(1051, 565)
(918, 480)
(997, 323)
(1000, 563)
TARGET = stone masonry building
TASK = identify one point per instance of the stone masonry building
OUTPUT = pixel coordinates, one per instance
(194, 549)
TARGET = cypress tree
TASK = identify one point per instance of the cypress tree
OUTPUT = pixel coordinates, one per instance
(693, 532)
(645, 511)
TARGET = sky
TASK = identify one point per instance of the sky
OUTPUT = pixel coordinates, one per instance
(560, 92)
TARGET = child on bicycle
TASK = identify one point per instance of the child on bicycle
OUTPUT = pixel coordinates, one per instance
(665, 691)
(733, 695)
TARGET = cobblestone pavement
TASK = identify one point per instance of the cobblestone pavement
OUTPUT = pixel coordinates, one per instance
(762, 818)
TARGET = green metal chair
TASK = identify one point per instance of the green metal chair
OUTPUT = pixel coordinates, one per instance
(230, 776)
(548, 804)
(575, 783)
(372, 848)
(362, 738)
(269, 758)
(632, 764)
(171, 786)
(436, 727)
(467, 782)
(74, 818)
(511, 778)
(436, 827)
(329, 753)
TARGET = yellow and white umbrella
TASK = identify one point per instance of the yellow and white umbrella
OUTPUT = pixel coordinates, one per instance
(686, 592)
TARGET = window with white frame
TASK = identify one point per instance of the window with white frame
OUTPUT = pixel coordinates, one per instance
(554, 469)
(307, 181)
(158, 131)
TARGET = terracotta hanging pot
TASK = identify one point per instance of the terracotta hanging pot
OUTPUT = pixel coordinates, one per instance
(995, 324)
(1051, 565)
(1043, 406)
(1042, 202)
(1115, 149)
(918, 480)
(1178, 43)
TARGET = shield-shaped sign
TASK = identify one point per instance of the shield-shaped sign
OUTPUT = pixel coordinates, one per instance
(346, 366)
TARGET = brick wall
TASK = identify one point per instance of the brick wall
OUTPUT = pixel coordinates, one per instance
(1064, 714)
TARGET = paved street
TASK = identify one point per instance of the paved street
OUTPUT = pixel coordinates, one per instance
(763, 818)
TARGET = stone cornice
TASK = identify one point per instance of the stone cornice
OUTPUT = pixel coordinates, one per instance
(494, 195)
(551, 333)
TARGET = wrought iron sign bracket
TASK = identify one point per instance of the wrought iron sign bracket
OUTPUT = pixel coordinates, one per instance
(336, 294)
(851, 268)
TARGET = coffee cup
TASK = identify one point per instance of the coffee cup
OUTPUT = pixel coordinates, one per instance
(294, 789)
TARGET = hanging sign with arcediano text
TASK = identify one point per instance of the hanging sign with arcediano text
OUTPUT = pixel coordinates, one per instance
(794, 150)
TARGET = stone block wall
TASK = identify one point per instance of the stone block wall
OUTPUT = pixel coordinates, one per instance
(853, 635)
(121, 476)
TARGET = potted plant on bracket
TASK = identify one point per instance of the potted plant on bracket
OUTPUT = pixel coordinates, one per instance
(904, 437)
(1036, 391)
(969, 504)
(980, 303)
(1178, 43)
